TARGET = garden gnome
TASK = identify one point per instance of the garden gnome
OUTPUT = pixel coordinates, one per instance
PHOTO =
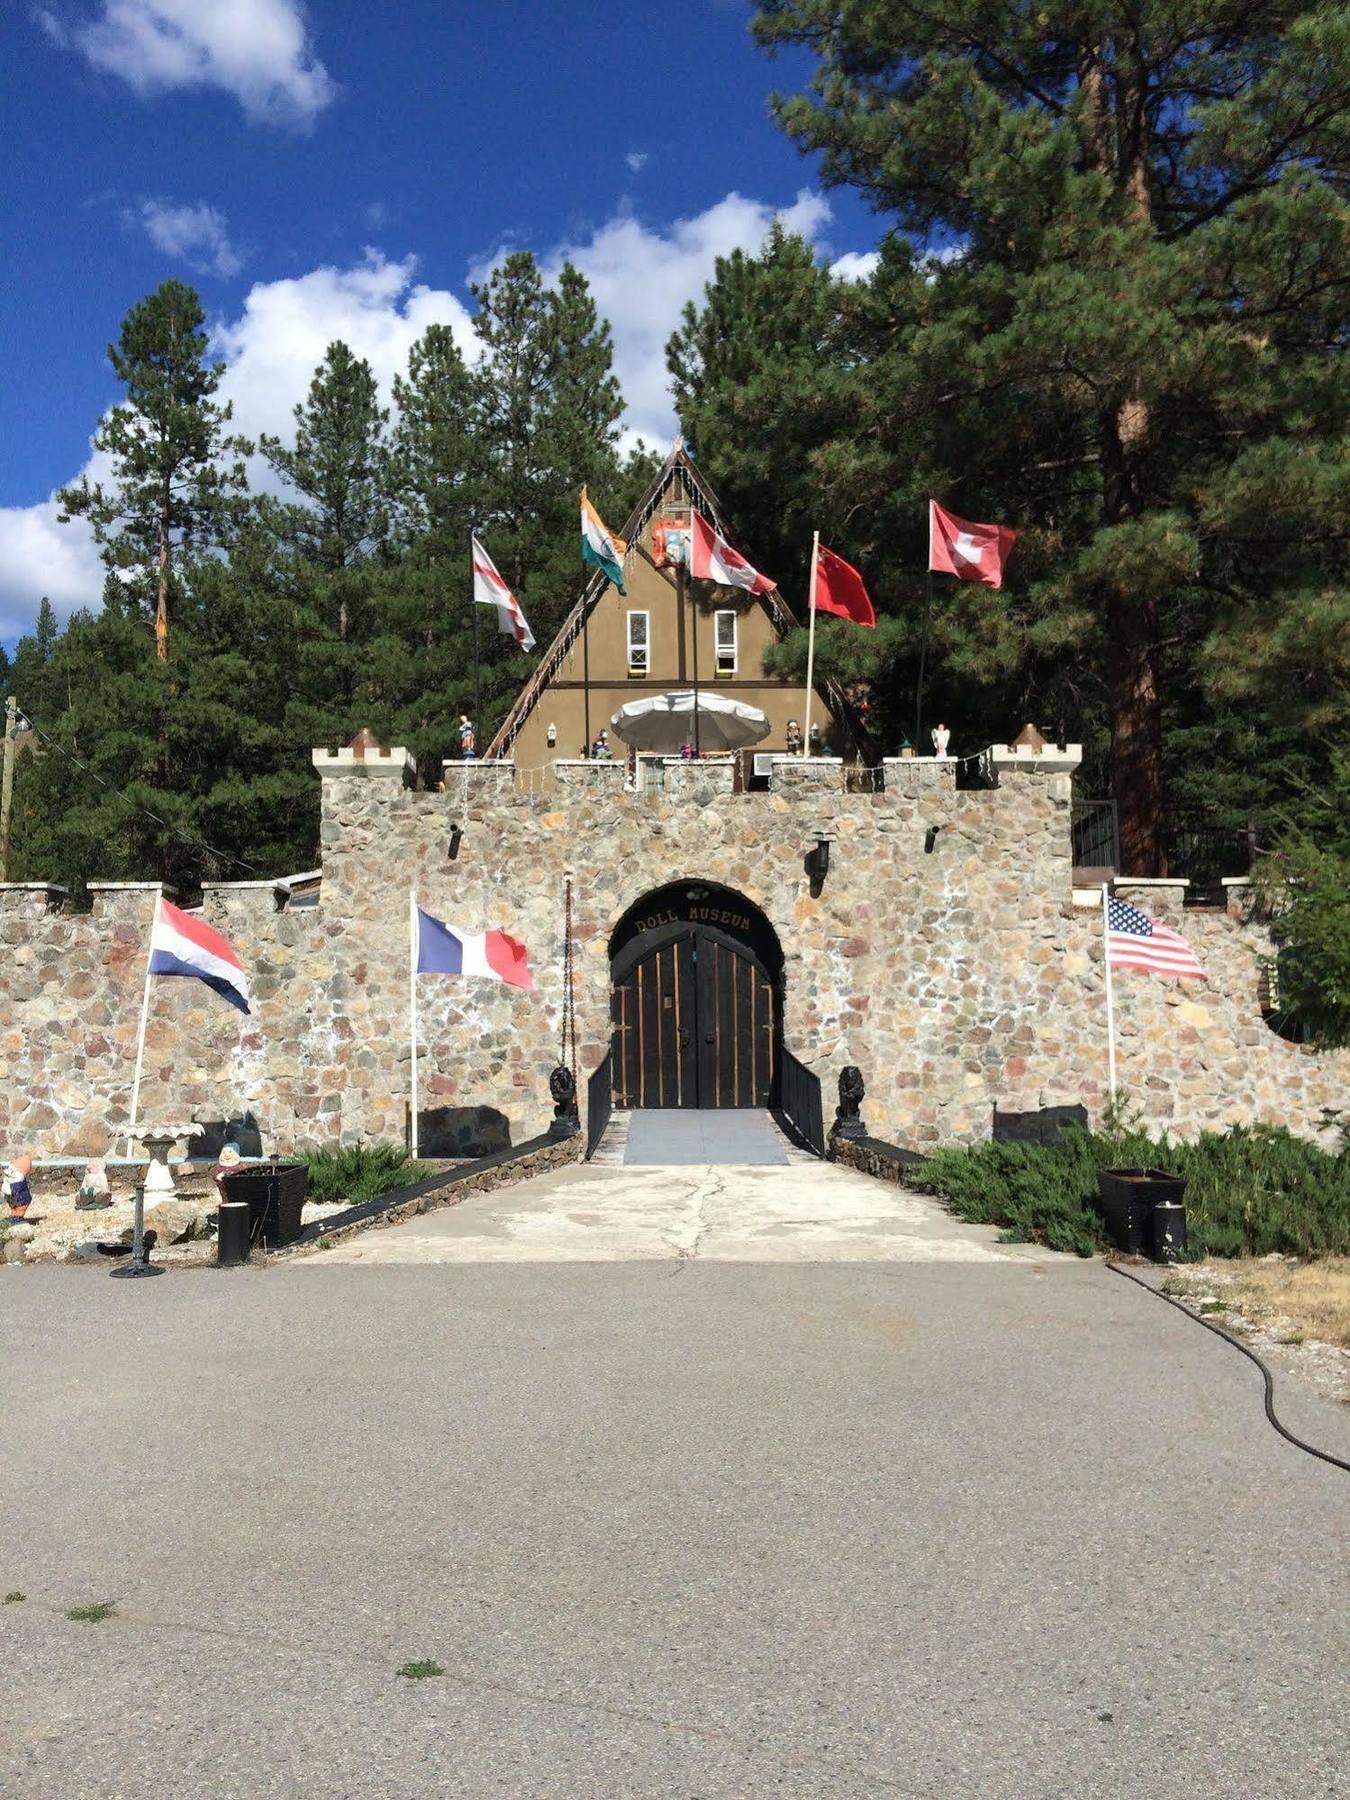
(941, 738)
(15, 1189)
(228, 1164)
(94, 1190)
(794, 738)
(466, 737)
(817, 742)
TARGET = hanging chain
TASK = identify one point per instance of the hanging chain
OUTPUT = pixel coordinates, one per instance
(567, 1054)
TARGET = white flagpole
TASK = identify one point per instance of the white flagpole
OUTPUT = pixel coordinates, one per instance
(134, 1120)
(1110, 999)
(810, 641)
(412, 1012)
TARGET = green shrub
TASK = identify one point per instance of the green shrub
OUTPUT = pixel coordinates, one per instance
(1249, 1191)
(360, 1172)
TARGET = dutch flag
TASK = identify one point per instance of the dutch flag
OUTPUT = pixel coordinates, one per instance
(183, 945)
(446, 950)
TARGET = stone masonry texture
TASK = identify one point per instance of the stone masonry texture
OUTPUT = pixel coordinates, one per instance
(943, 955)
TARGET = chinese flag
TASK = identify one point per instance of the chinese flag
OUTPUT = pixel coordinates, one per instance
(839, 589)
(970, 552)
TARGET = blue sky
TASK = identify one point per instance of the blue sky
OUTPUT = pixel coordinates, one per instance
(341, 169)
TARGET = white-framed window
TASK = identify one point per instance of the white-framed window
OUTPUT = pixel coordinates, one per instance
(724, 641)
(639, 643)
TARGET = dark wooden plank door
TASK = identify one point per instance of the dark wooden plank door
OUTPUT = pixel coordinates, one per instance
(736, 1026)
(695, 1024)
(652, 1013)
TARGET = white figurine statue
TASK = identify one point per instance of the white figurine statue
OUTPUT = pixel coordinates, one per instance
(941, 738)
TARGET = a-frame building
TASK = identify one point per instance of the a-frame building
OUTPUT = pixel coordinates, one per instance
(666, 632)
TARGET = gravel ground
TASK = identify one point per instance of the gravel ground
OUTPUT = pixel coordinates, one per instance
(932, 1528)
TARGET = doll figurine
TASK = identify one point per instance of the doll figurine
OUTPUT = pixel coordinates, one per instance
(15, 1189)
(95, 1192)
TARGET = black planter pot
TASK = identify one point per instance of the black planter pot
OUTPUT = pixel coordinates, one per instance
(275, 1196)
(1128, 1197)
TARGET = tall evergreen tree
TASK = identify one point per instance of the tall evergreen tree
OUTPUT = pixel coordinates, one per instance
(420, 669)
(548, 414)
(177, 475)
(1147, 300)
(338, 467)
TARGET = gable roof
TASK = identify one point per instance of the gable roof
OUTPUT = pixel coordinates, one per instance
(678, 463)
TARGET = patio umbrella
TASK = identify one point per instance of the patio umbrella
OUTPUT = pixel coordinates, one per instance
(665, 722)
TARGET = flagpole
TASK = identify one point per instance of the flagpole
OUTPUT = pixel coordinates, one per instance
(477, 684)
(810, 641)
(140, 1039)
(412, 1013)
(683, 588)
(1110, 1000)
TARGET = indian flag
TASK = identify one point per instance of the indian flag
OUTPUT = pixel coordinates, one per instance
(599, 546)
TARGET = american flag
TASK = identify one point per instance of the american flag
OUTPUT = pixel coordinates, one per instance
(1134, 941)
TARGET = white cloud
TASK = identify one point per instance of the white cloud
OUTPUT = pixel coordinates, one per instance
(636, 160)
(855, 265)
(197, 234)
(257, 50)
(37, 557)
(273, 348)
(271, 351)
(642, 275)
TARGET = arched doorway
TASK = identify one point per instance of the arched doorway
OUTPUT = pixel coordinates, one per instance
(696, 975)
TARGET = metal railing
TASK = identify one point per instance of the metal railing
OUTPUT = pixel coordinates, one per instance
(599, 1101)
(1096, 837)
(799, 1101)
(1206, 851)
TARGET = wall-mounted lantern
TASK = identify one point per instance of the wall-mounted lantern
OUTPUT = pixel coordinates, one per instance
(817, 861)
(552, 735)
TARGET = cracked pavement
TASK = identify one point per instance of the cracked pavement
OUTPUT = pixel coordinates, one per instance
(804, 1212)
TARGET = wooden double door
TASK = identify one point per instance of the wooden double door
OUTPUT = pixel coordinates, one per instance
(696, 1021)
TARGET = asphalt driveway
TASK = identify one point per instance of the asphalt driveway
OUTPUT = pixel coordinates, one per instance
(941, 1528)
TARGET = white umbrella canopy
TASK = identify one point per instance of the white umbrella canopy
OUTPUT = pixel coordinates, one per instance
(665, 722)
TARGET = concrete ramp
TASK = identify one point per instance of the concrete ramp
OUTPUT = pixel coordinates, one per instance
(686, 1213)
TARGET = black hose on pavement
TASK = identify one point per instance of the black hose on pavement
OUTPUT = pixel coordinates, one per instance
(1323, 1455)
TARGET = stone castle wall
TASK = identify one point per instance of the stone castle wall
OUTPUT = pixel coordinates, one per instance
(943, 955)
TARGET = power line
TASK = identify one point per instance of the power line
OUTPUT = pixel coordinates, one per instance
(199, 845)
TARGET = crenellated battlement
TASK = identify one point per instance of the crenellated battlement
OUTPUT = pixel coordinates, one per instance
(928, 933)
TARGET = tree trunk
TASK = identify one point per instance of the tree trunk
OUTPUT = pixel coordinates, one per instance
(1137, 779)
(1120, 150)
(162, 593)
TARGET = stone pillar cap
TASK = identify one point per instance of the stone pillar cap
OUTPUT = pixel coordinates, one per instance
(347, 760)
(1025, 756)
(129, 887)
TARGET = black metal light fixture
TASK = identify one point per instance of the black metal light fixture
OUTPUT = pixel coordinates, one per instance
(817, 861)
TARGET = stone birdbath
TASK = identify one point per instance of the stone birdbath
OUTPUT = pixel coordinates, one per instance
(158, 1183)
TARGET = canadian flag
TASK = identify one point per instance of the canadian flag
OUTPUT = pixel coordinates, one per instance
(490, 590)
(714, 559)
(970, 552)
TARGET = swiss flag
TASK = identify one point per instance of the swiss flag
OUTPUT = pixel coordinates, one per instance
(970, 552)
(839, 589)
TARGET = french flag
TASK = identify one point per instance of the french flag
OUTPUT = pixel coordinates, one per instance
(446, 950)
(183, 945)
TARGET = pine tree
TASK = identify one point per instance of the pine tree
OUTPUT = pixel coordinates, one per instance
(1144, 300)
(338, 467)
(177, 476)
(548, 414)
(419, 669)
